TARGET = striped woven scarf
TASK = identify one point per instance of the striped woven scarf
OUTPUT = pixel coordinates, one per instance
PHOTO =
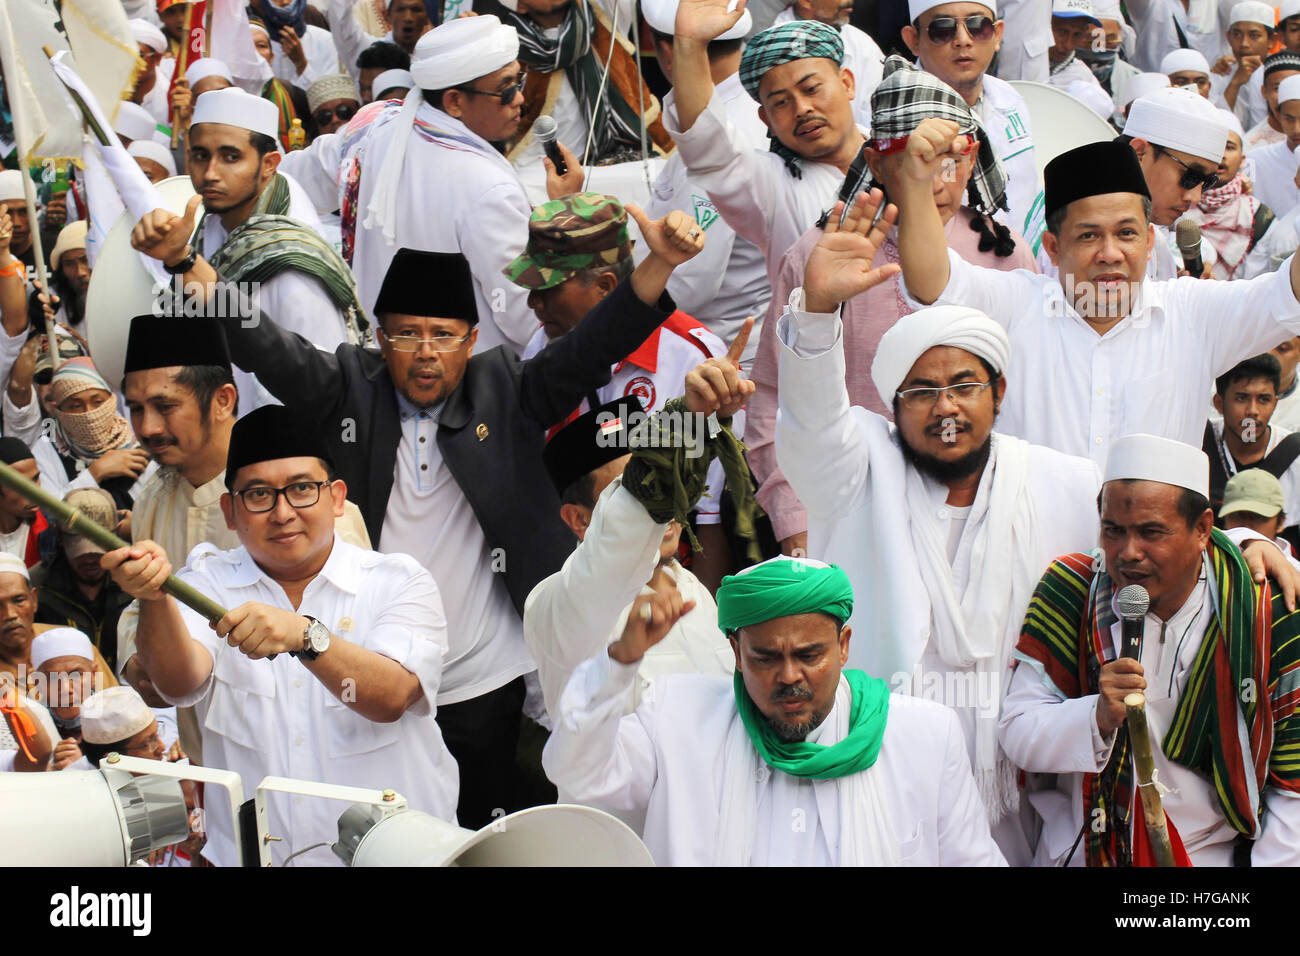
(1068, 633)
(276, 92)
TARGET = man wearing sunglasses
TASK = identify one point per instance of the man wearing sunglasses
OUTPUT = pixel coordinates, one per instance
(328, 662)
(956, 42)
(333, 100)
(1179, 139)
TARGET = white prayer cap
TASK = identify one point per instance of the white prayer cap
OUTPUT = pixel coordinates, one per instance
(1143, 83)
(1288, 8)
(1288, 89)
(331, 86)
(134, 121)
(205, 67)
(662, 16)
(113, 715)
(1177, 118)
(160, 154)
(1075, 9)
(917, 7)
(12, 564)
(1185, 61)
(458, 51)
(1252, 11)
(233, 107)
(72, 236)
(61, 642)
(1152, 458)
(392, 80)
(11, 185)
(912, 335)
(1234, 126)
(146, 34)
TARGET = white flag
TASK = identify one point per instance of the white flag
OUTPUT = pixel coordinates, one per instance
(107, 54)
(46, 123)
(231, 41)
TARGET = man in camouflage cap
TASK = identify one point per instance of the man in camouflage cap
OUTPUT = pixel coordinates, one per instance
(578, 251)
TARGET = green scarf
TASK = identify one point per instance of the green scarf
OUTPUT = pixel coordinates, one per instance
(269, 242)
(856, 752)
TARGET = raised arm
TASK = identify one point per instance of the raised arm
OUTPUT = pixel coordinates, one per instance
(698, 23)
(922, 244)
(13, 282)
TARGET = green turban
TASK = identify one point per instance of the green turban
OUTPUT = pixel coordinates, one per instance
(781, 587)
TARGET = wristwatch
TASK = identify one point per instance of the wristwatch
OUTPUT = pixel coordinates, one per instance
(315, 640)
(185, 265)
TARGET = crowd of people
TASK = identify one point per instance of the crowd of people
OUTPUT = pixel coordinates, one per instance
(831, 497)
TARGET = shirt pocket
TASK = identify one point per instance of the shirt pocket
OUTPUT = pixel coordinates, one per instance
(243, 699)
(1036, 45)
(909, 850)
(1148, 406)
(348, 734)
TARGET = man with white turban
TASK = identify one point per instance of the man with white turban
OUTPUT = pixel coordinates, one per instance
(425, 174)
(942, 524)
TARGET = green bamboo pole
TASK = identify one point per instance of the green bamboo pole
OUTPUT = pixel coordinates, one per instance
(73, 521)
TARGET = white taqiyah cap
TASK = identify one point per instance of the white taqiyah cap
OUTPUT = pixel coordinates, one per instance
(917, 7)
(160, 154)
(146, 34)
(1142, 84)
(1288, 89)
(1252, 11)
(1234, 126)
(233, 107)
(61, 642)
(662, 16)
(1184, 61)
(1152, 458)
(11, 185)
(391, 80)
(134, 121)
(205, 67)
(12, 564)
(1288, 8)
(1177, 118)
(113, 715)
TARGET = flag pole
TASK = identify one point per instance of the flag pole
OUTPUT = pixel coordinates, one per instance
(182, 64)
(1153, 811)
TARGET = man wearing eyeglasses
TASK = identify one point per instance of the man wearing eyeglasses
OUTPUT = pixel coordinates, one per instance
(333, 100)
(940, 519)
(1179, 139)
(328, 662)
(956, 42)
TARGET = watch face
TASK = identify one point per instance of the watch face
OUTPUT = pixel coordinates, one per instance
(318, 635)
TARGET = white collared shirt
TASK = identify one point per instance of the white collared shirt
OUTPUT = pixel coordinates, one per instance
(429, 518)
(1077, 391)
(273, 717)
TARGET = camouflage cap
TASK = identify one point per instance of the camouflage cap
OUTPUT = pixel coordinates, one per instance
(568, 235)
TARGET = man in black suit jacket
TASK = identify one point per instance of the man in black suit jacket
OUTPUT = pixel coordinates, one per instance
(491, 413)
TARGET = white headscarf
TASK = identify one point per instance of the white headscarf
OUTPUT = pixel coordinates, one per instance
(914, 334)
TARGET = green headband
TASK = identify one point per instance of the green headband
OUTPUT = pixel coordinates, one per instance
(782, 587)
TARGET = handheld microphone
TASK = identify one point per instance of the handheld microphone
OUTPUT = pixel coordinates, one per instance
(1132, 602)
(1188, 236)
(544, 129)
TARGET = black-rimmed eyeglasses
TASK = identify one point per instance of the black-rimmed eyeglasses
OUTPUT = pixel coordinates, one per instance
(263, 498)
(506, 96)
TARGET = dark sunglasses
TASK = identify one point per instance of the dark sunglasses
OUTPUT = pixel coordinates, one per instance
(506, 96)
(944, 29)
(1191, 178)
(344, 113)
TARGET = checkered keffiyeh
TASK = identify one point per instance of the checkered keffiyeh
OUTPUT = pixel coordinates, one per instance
(906, 95)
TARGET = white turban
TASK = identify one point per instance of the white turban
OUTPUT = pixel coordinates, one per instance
(160, 154)
(917, 7)
(1252, 11)
(134, 121)
(662, 16)
(1177, 118)
(458, 51)
(1184, 61)
(146, 34)
(1288, 89)
(391, 80)
(450, 54)
(113, 715)
(11, 185)
(1152, 458)
(233, 107)
(61, 642)
(912, 335)
(205, 67)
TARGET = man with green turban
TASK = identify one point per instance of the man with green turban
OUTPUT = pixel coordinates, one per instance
(794, 762)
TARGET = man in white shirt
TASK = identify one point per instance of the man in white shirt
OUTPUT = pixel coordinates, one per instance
(1287, 412)
(1275, 164)
(1276, 68)
(1112, 353)
(727, 282)
(1217, 661)
(1023, 54)
(302, 52)
(348, 696)
(1073, 26)
(795, 761)
(426, 175)
(1239, 76)
(940, 521)
(862, 55)
(1164, 25)
(409, 20)
(941, 37)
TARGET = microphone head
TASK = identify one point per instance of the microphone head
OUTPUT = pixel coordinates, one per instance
(1188, 236)
(544, 128)
(1133, 601)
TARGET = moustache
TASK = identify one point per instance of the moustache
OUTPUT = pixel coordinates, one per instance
(799, 126)
(946, 427)
(795, 692)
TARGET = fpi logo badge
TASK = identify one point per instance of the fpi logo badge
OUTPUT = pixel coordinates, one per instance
(706, 214)
(74, 909)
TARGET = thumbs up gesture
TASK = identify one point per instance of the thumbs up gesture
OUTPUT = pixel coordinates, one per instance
(165, 236)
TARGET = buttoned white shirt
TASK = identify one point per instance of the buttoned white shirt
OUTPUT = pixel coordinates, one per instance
(274, 718)
(1076, 391)
(430, 519)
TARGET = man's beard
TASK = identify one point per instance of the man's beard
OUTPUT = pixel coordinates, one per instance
(793, 733)
(944, 471)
